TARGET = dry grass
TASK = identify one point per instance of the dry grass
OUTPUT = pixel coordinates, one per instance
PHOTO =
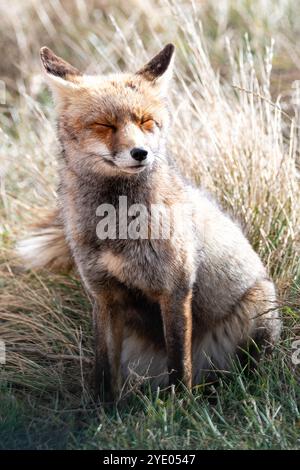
(230, 134)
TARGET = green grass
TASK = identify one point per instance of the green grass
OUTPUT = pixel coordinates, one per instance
(260, 411)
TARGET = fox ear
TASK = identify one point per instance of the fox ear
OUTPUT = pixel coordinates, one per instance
(159, 69)
(61, 75)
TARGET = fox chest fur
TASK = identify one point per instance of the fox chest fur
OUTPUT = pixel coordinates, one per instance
(148, 264)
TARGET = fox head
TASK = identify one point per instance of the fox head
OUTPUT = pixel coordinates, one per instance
(113, 124)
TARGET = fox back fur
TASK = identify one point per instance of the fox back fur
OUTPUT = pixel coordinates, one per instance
(173, 309)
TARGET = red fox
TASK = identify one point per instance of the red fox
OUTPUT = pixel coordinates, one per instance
(171, 308)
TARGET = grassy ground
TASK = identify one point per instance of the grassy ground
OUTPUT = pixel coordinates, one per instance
(232, 134)
(256, 412)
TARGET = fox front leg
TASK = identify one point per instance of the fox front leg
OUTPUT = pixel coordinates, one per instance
(176, 311)
(108, 326)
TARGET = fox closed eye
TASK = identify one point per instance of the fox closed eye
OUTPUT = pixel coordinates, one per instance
(107, 126)
(148, 124)
(144, 120)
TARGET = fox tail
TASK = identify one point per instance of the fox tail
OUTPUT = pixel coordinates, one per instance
(46, 247)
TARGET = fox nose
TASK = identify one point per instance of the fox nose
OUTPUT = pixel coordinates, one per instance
(138, 154)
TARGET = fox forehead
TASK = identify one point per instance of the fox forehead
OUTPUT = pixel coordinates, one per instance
(115, 97)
